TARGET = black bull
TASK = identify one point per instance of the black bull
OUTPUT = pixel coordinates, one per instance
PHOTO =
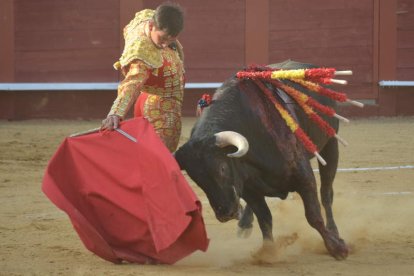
(274, 165)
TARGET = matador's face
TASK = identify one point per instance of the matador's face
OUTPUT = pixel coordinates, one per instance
(160, 38)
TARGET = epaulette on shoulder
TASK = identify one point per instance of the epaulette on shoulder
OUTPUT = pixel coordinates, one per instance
(142, 49)
(137, 45)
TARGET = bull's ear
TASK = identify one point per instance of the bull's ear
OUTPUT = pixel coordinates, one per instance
(181, 155)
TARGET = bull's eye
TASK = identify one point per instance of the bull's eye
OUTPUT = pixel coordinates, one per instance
(223, 169)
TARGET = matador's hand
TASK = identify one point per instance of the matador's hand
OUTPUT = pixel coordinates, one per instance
(111, 122)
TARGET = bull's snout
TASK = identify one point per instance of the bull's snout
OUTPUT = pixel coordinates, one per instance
(227, 208)
(223, 216)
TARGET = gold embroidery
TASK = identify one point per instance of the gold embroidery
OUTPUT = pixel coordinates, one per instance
(137, 44)
(155, 72)
(129, 88)
(167, 71)
(165, 87)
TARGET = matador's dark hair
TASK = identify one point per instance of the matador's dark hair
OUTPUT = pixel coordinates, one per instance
(169, 17)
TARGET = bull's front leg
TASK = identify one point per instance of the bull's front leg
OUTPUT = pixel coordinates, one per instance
(259, 207)
(308, 191)
(246, 223)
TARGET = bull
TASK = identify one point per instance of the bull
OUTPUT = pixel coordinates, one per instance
(240, 147)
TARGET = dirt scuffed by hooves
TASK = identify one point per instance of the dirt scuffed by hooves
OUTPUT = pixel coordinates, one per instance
(274, 252)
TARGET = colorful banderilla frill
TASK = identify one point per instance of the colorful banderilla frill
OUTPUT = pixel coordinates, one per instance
(309, 79)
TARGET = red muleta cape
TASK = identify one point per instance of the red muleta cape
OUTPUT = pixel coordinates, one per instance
(127, 201)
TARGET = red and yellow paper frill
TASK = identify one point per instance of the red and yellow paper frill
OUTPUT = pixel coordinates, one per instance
(310, 79)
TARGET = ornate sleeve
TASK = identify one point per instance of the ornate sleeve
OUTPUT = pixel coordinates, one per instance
(129, 89)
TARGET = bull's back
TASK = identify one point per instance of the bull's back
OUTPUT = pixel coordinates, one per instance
(316, 134)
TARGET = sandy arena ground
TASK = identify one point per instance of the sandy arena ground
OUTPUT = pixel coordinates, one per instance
(374, 211)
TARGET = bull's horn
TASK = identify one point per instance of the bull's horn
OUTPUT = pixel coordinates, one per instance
(227, 138)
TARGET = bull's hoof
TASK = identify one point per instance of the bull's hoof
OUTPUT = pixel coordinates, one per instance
(338, 249)
(341, 255)
(244, 233)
